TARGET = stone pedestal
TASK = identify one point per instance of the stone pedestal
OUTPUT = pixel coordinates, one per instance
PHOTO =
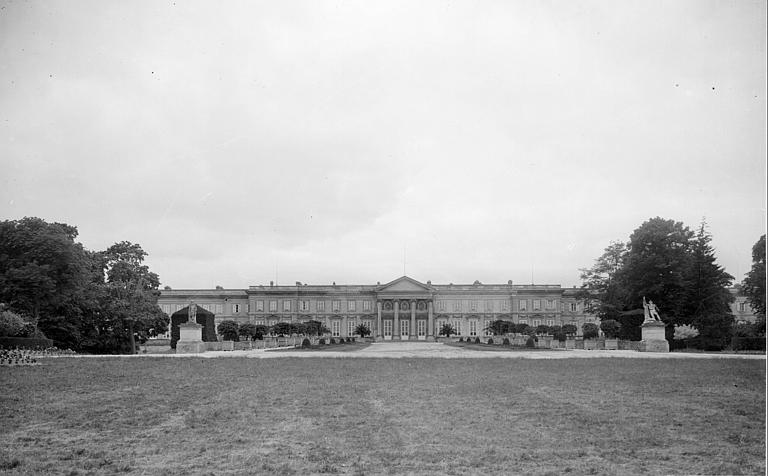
(190, 339)
(654, 338)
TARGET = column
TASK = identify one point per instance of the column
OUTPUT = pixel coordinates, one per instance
(412, 334)
(396, 330)
(430, 321)
(378, 320)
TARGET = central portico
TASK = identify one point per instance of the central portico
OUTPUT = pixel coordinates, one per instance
(404, 310)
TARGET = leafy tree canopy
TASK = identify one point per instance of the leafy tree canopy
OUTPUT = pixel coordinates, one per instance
(753, 285)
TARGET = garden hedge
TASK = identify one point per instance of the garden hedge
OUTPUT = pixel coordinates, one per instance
(25, 343)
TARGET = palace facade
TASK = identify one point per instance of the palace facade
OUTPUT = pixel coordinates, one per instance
(403, 309)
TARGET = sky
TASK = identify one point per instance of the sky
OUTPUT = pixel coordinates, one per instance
(353, 142)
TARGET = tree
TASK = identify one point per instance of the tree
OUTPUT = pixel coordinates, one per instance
(499, 327)
(362, 330)
(315, 328)
(447, 330)
(557, 333)
(228, 330)
(753, 286)
(131, 292)
(247, 331)
(610, 328)
(589, 330)
(542, 329)
(281, 329)
(664, 261)
(570, 329)
(43, 271)
(601, 292)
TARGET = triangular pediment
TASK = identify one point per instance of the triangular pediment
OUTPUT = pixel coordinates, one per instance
(404, 285)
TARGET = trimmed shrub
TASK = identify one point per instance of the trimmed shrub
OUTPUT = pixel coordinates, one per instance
(341, 340)
(229, 330)
(477, 340)
(349, 339)
(490, 341)
(306, 343)
(506, 341)
(321, 341)
(461, 339)
(531, 342)
(332, 341)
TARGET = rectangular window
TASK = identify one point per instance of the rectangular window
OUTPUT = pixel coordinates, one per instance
(523, 303)
(387, 328)
(351, 306)
(335, 327)
(524, 321)
(550, 322)
(272, 306)
(457, 326)
(366, 306)
(505, 305)
(473, 328)
(574, 307)
(457, 306)
(259, 306)
(304, 305)
(473, 305)
(272, 322)
(219, 309)
(421, 328)
(286, 305)
(486, 327)
(550, 303)
(235, 308)
(537, 304)
(260, 322)
(351, 325)
(536, 322)
(742, 306)
(336, 306)
(441, 305)
(320, 306)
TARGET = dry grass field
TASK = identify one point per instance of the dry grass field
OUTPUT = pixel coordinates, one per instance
(383, 416)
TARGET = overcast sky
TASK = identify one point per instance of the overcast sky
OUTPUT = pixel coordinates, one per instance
(322, 141)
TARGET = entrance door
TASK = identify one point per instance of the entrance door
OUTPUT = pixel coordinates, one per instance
(404, 329)
(387, 329)
(421, 329)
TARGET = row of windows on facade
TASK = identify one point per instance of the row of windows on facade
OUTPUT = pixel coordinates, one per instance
(336, 306)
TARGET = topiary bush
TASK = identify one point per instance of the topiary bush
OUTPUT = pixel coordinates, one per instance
(490, 341)
(321, 341)
(332, 341)
(477, 340)
(531, 342)
(349, 339)
(306, 343)
(506, 341)
(461, 339)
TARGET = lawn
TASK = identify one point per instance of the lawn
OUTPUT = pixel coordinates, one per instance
(371, 416)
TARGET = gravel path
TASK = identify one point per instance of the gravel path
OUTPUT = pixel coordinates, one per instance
(397, 350)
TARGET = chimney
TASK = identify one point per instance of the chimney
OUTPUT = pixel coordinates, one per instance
(271, 284)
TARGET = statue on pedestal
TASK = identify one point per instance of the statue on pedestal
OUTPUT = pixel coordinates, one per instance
(192, 317)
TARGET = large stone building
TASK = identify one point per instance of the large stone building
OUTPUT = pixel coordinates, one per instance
(404, 309)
